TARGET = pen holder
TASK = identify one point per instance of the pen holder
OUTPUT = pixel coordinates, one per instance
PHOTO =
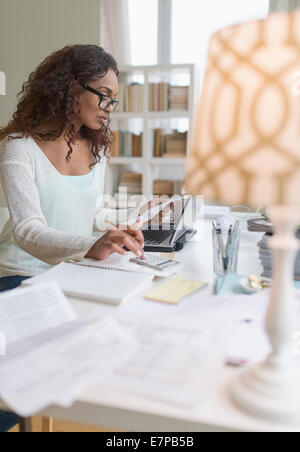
(224, 263)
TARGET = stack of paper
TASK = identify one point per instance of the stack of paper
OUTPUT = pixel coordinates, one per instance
(265, 255)
(52, 356)
(47, 363)
(52, 362)
(260, 225)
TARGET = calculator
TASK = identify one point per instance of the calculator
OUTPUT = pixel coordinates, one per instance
(154, 262)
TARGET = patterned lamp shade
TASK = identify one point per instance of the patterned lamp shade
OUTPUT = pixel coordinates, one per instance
(246, 144)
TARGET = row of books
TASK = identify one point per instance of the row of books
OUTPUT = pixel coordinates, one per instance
(127, 144)
(172, 145)
(166, 187)
(133, 183)
(162, 97)
(131, 97)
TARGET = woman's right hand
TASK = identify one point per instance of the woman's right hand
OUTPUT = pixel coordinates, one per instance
(115, 240)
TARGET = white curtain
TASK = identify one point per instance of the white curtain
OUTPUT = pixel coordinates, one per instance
(284, 5)
(115, 32)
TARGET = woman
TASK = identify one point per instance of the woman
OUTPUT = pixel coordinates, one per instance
(52, 166)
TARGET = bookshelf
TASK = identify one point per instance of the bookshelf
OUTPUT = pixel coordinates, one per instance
(147, 89)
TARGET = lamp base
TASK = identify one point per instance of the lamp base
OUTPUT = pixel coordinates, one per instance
(269, 391)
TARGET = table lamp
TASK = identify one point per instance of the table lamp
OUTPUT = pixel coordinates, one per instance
(246, 151)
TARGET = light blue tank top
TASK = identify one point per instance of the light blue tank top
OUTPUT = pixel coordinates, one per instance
(81, 182)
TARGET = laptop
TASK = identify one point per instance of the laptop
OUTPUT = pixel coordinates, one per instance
(163, 238)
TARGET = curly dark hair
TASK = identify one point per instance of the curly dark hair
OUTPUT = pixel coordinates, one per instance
(51, 95)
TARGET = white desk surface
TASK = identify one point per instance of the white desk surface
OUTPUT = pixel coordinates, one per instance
(123, 411)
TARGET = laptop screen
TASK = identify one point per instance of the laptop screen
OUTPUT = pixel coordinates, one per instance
(181, 208)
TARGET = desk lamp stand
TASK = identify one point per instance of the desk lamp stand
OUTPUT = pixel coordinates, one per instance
(271, 389)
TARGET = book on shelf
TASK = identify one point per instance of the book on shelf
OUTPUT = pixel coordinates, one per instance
(127, 144)
(166, 187)
(175, 145)
(164, 97)
(131, 97)
(136, 97)
(163, 187)
(159, 94)
(131, 181)
(159, 142)
(121, 107)
(158, 97)
(170, 145)
(178, 97)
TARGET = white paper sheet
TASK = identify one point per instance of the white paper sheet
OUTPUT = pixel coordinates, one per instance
(248, 341)
(250, 344)
(55, 367)
(175, 359)
(166, 359)
(240, 307)
(25, 312)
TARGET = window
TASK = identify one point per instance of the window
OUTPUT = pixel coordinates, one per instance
(143, 31)
(195, 20)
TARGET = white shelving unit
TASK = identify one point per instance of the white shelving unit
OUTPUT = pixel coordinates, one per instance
(147, 121)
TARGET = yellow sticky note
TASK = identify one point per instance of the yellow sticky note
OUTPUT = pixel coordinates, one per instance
(174, 290)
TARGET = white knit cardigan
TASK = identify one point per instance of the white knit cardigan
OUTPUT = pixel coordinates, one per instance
(50, 220)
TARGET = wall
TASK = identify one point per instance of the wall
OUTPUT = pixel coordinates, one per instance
(31, 29)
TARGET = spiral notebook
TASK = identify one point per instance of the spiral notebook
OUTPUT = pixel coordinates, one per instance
(95, 283)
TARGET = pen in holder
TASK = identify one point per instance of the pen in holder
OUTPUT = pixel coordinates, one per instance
(225, 251)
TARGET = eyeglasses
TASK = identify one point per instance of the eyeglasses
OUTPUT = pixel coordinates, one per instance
(104, 101)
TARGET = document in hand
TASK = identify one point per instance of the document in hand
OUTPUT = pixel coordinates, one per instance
(94, 283)
(149, 213)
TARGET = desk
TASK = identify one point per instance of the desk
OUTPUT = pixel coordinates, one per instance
(122, 411)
